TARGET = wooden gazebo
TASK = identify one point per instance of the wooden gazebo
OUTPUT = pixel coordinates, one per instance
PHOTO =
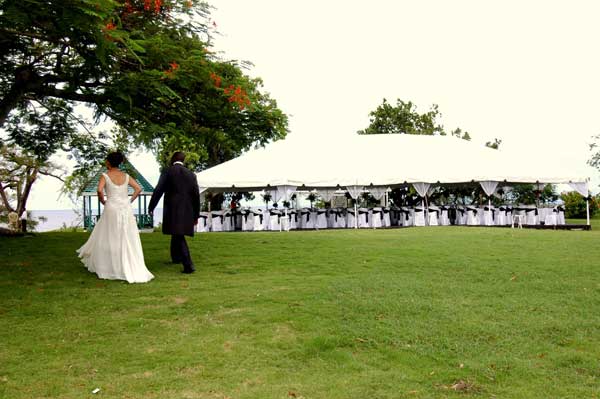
(91, 214)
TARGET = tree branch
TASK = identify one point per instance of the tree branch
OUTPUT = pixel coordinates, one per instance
(45, 173)
(5, 199)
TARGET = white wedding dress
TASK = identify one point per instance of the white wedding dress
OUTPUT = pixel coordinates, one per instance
(114, 249)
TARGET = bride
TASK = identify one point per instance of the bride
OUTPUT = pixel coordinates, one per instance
(114, 250)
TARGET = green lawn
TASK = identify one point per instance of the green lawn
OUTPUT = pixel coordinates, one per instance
(404, 313)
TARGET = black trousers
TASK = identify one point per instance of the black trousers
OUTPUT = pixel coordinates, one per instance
(180, 252)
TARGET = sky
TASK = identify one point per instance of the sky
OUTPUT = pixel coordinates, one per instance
(525, 72)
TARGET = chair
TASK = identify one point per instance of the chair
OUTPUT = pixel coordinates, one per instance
(337, 218)
(488, 215)
(293, 214)
(363, 218)
(461, 216)
(307, 221)
(203, 223)
(520, 211)
(350, 218)
(509, 214)
(560, 218)
(259, 220)
(321, 222)
(332, 218)
(444, 219)
(501, 219)
(472, 216)
(433, 215)
(419, 218)
(274, 220)
(284, 220)
(517, 218)
(247, 220)
(217, 220)
(551, 217)
(407, 217)
(377, 218)
(531, 217)
(387, 218)
(228, 221)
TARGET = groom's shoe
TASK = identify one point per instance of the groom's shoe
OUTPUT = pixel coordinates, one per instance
(188, 270)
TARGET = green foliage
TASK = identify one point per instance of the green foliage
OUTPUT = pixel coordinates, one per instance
(146, 65)
(494, 144)
(575, 205)
(403, 118)
(531, 194)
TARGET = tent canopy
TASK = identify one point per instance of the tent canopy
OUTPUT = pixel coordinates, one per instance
(376, 160)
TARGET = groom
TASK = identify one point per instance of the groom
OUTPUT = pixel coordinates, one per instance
(181, 208)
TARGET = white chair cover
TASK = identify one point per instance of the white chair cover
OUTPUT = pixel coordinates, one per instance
(259, 220)
(531, 217)
(488, 215)
(501, 215)
(203, 222)
(472, 216)
(363, 218)
(377, 217)
(560, 219)
(307, 220)
(407, 217)
(294, 220)
(274, 220)
(247, 220)
(550, 216)
(228, 221)
(444, 219)
(341, 218)
(461, 215)
(387, 217)
(433, 215)
(217, 221)
(419, 218)
(321, 218)
(350, 218)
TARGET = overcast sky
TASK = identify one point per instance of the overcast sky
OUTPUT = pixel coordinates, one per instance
(526, 72)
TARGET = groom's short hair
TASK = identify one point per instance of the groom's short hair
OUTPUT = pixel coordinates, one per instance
(177, 157)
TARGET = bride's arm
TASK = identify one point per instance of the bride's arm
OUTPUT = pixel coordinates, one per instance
(101, 183)
(136, 188)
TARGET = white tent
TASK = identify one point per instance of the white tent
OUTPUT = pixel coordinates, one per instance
(377, 160)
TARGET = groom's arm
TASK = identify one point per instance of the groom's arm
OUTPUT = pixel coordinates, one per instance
(196, 198)
(159, 190)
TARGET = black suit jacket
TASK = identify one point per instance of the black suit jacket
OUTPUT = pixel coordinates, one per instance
(181, 207)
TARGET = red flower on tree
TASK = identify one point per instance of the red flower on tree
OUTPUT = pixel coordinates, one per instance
(110, 26)
(216, 79)
(237, 95)
(173, 66)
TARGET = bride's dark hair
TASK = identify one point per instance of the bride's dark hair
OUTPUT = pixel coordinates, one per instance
(115, 159)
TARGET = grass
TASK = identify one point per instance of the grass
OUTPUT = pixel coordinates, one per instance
(407, 313)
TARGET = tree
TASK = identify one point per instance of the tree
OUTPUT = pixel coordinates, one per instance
(575, 205)
(18, 172)
(147, 65)
(495, 144)
(594, 161)
(403, 118)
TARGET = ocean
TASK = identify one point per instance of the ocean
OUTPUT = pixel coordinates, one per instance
(69, 218)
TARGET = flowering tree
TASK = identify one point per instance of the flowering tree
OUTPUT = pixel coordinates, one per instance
(147, 65)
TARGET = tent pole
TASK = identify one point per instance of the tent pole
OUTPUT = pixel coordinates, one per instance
(587, 210)
(355, 215)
